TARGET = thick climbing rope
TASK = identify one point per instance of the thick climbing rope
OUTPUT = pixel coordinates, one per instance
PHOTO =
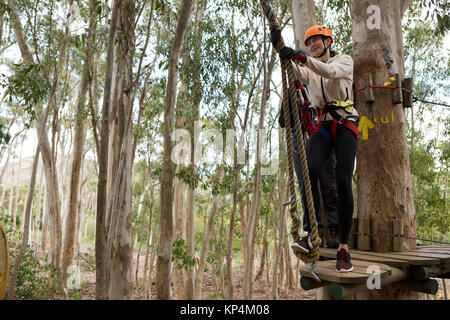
(287, 72)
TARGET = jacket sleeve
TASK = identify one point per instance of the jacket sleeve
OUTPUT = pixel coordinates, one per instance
(301, 72)
(340, 68)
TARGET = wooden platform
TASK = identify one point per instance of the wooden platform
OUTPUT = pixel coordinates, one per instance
(326, 271)
(436, 258)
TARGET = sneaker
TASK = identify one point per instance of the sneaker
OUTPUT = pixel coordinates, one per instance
(343, 263)
(303, 245)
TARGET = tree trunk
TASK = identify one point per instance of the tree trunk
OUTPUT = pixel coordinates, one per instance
(383, 173)
(120, 243)
(189, 293)
(265, 244)
(100, 228)
(219, 264)
(190, 193)
(2, 173)
(150, 219)
(303, 17)
(17, 183)
(78, 146)
(41, 119)
(229, 256)
(166, 225)
(44, 223)
(280, 209)
(209, 230)
(11, 290)
(253, 217)
(38, 215)
(11, 192)
(179, 191)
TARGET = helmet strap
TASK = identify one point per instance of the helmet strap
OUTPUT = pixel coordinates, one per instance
(324, 50)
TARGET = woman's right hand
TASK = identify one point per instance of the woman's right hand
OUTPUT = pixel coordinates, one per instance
(289, 53)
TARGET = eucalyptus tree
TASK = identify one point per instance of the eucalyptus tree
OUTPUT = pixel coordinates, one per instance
(42, 66)
(70, 235)
(166, 225)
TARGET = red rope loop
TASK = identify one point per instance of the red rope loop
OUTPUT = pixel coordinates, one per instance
(381, 87)
(305, 113)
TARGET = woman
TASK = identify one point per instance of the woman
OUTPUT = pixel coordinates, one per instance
(327, 185)
(329, 79)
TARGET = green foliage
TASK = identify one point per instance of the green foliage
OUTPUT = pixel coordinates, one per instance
(426, 61)
(439, 11)
(180, 255)
(5, 137)
(33, 280)
(215, 252)
(433, 216)
(189, 176)
(88, 262)
(337, 18)
(28, 85)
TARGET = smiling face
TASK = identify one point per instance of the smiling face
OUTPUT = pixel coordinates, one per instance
(316, 45)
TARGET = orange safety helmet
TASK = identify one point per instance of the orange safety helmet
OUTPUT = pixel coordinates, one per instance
(318, 30)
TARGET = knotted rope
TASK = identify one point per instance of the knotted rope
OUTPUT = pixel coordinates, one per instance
(287, 74)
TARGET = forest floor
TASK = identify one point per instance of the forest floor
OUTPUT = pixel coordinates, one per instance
(261, 291)
(262, 288)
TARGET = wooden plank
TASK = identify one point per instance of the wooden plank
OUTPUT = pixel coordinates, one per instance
(363, 241)
(397, 230)
(326, 271)
(407, 96)
(412, 260)
(364, 264)
(434, 247)
(442, 249)
(331, 253)
(443, 257)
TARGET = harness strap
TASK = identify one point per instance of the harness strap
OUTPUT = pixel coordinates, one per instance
(338, 119)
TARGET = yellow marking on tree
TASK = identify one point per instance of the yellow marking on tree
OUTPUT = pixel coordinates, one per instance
(364, 125)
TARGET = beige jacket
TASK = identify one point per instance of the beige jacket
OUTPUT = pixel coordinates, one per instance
(335, 77)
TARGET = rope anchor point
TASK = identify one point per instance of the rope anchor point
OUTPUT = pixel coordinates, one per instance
(316, 277)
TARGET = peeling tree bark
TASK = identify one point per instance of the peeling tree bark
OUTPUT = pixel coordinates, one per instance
(120, 243)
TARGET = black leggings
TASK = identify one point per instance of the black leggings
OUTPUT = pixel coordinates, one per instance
(318, 150)
(328, 188)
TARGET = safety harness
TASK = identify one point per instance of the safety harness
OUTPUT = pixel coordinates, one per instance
(312, 125)
(331, 107)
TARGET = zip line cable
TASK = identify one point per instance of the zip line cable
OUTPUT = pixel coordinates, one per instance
(415, 99)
